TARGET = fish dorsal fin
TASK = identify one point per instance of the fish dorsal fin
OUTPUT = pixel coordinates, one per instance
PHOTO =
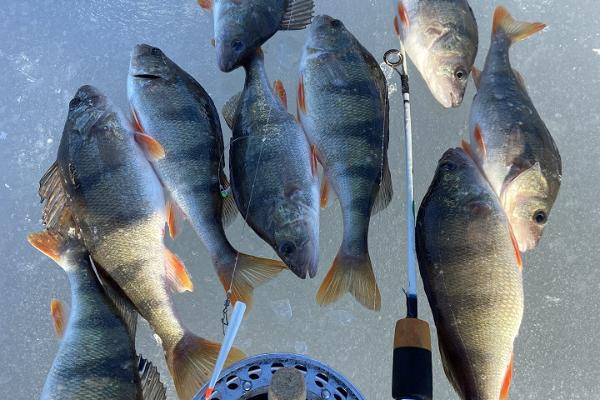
(206, 5)
(152, 387)
(56, 214)
(513, 29)
(57, 313)
(298, 15)
(386, 192)
(230, 109)
(281, 93)
(177, 274)
(476, 75)
(123, 306)
(520, 79)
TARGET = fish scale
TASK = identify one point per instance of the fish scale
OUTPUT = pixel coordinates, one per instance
(343, 107)
(192, 171)
(118, 204)
(96, 358)
(509, 139)
(471, 274)
(440, 37)
(242, 27)
(273, 177)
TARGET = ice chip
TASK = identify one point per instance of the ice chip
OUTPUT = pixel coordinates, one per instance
(282, 309)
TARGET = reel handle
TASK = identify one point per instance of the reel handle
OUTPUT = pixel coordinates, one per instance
(412, 369)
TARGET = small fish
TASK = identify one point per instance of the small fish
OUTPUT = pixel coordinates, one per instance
(96, 358)
(471, 271)
(273, 171)
(103, 178)
(192, 170)
(509, 140)
(242, 27)
(440, 37)
(343, 107)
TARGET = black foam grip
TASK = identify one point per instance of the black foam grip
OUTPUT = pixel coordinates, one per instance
(411, 377)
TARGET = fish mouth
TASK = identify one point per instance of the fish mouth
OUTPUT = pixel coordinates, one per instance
(88, 98)
(146, 76)
(455, 100)
(146, 62)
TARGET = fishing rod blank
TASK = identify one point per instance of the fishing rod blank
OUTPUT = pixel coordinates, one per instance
(412, 369)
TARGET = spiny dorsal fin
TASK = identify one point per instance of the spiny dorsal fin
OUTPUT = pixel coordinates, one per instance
(386, 192)
(123, 306)
(56, 210)
(229, 209)
(152, 387)
(230, 109)
(298, 15)
(520, 79)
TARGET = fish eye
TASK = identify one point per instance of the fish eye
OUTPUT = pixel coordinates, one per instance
(287, 248)
(336, 23)
(155, 51)
(461, 74)
(237, 45)
(540, 217)
(448, 166)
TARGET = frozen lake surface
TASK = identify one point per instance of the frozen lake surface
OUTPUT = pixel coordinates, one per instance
(51, 47)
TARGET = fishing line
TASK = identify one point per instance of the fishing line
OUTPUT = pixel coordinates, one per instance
(227, 302)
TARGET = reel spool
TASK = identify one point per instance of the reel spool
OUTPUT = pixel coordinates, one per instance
(250, 378)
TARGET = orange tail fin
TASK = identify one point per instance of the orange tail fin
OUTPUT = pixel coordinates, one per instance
(191, 362)
(249, 273)
(354, 275)
(515, 30)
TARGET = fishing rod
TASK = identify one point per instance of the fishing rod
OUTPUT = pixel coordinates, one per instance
(412, 366)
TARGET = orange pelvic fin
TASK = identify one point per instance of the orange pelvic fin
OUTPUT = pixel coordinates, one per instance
(58, 317)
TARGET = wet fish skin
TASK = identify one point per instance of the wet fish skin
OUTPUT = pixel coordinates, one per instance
(242, 27)
(273, 180)
(118, 205)
(96, 358)
(188, 127)
(343, 108)
(471, 273)
(509, 139)
(441, 38)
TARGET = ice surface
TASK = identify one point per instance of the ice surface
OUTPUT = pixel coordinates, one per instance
(51, 47)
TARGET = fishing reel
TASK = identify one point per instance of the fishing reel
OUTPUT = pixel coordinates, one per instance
(251, 378)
